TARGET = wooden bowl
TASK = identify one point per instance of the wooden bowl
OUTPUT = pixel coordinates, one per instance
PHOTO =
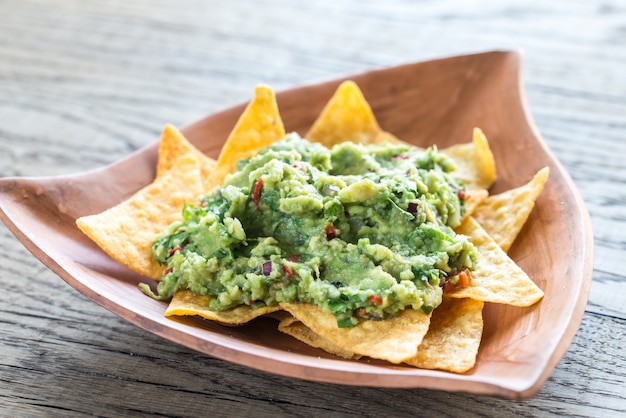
(435, 102)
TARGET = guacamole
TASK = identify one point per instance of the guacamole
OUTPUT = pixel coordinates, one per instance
(361, 231)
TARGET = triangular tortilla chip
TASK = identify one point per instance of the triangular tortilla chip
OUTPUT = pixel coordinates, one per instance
(451, 343)
(295, 328)
(346, 117)
(503, 215)
(186, 303)
(386, 137)
(258, 126)
(452, 340)
(497, 278)
(173, 145)
(474, 162)
(126, 231)
(395, 339)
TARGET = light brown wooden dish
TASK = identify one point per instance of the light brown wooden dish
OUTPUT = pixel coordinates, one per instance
(434, 102)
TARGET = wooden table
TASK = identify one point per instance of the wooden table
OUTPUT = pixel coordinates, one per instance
(83, 84)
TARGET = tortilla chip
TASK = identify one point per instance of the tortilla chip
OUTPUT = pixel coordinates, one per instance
(126, 231)
(504, 215)
(395, 339)
(497, 278)
(453, 338)
(451, 343)
(258, 126)
(386, 137)
(186, 303)
(295, 328)
(174, 145)
(474, 161)
(346, 117)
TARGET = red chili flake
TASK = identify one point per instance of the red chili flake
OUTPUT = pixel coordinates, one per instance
(375, 299)
(256, 193)
(331, 232)
(175, 250)
(288, 270)
(461, 194)
(401, 156)
(168, 271)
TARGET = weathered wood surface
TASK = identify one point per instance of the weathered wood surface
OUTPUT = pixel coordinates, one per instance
(83, 84)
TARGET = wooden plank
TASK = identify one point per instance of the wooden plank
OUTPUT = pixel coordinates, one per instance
(91, 354)
(83, 84)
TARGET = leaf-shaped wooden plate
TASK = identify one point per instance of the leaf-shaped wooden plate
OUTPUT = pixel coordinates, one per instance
(435, 102)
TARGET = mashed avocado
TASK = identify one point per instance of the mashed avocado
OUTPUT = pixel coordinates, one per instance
(361, 231)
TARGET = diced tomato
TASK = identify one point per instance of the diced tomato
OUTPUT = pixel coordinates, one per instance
(256, 192)
(375, 299)
(464, 278)
(461, 194)
(461, 278)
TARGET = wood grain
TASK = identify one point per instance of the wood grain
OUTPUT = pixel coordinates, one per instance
(82, 84)
(520, 347)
